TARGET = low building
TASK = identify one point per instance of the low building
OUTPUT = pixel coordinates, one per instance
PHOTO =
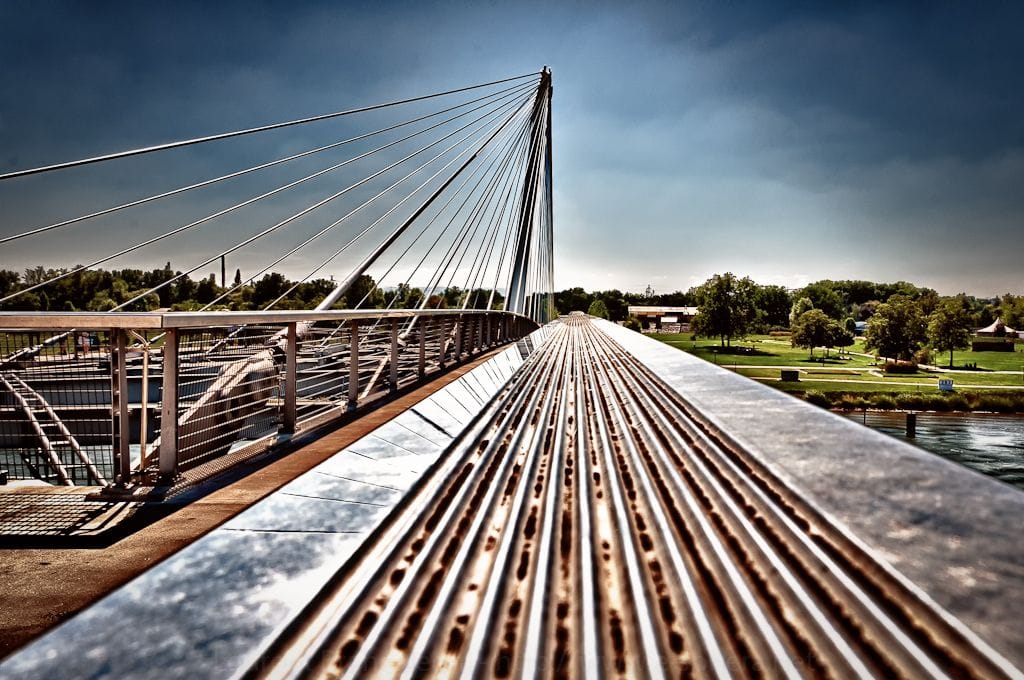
(996, 337)
(663, 319)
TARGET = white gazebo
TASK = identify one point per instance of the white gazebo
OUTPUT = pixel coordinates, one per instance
(996, 329)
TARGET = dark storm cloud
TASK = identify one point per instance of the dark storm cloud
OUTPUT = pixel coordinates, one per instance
(787, 140)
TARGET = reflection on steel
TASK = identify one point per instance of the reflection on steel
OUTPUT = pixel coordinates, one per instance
(228, 383)
(591, 522)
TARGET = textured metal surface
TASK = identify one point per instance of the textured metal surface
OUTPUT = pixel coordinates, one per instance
(591, 524)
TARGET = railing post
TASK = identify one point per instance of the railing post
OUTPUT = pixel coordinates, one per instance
(144, 405)
(471, 335)
(422, 368)
(393, 375)
(458, 338)
(169, 408)
(353, 365)
(291, 368)
(119, 407)
(442, 343)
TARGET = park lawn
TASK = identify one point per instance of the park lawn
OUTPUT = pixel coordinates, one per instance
(993, 361)
(868, 388)
(775, 351)
(764, 351)
(923, 379)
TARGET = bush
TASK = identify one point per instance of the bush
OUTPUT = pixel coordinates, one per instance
(632, 323)
(910, 401)
(883, 401)
(936, 402)
(900, 367)
(817, 398)
(851, 402)
(923, 356)
(779, 332)
(957, 402)
(996, 402)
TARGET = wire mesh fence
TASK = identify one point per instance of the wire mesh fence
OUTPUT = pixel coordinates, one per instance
(55, 406)
(229, 389)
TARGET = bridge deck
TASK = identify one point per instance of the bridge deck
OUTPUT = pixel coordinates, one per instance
(616, 509)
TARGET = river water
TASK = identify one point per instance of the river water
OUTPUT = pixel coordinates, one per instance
(989, 443)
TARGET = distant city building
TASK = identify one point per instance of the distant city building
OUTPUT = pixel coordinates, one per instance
(663, 319)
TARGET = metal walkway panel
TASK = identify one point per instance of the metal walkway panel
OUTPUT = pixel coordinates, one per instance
(950, 533)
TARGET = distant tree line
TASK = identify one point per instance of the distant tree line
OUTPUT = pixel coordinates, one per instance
(903, 319)
(100, 290)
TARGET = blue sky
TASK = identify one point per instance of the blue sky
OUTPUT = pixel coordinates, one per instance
(785, 141)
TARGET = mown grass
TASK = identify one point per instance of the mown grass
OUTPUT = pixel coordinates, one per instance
(863, 380)
(992, 361)
(760, 350)
(929, 379)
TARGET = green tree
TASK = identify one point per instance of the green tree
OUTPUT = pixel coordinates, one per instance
(897, 329)
(633, 324)
(824, 296)
(812, 329)
(207, 290)
(800, 305)
(950, 327)
(598, 308)
(840, 336)
(773, 305)
(268, 289)
(614, 301)
(573, 300)
(726, 307)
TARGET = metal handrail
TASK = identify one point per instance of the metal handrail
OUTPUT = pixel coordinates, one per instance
(166, 320)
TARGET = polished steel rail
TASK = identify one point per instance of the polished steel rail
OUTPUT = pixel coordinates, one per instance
(592, 522)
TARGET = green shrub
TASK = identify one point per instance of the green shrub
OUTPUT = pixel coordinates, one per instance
(995, 402)
(817, 398)
(957, 402)
(883, 401)
(900, 367)
(910, 401)
(850, 402)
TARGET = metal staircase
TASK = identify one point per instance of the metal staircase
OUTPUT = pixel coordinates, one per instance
(59, 458)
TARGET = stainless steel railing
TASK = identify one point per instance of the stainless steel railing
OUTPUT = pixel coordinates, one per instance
(176, 392)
